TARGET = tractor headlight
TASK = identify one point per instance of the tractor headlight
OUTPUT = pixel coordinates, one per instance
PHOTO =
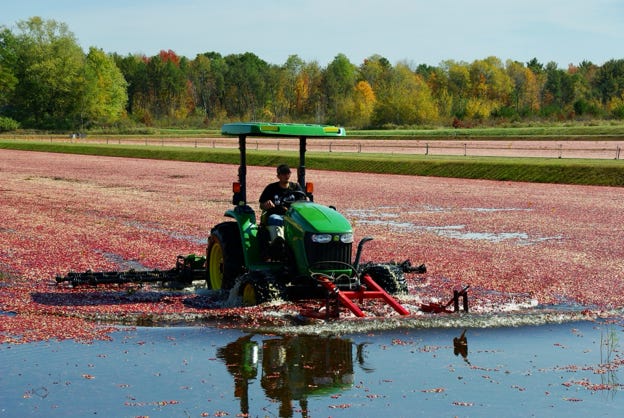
(321, 238)
(346, 238)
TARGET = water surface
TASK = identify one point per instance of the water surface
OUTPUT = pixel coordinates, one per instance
(570, 369)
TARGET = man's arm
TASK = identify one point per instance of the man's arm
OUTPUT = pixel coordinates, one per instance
(266, 198)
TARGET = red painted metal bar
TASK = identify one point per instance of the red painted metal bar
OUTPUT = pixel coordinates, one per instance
(384, 295)
(346, 301)
(371, 290)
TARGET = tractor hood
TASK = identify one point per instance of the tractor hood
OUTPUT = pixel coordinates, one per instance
(312, 217)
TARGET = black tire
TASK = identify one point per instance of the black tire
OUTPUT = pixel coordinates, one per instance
(257, 287)
(224, 256)
(389, 277)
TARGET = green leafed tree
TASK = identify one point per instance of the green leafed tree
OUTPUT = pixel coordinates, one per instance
(609, 80)
(246, 92)
(558, 88)
(105, 96)
(8, 59)
(49, 67)
(339, 79)
(134, 70)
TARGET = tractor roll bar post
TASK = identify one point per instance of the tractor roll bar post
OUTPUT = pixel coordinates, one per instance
(240, 198)
(301, 169)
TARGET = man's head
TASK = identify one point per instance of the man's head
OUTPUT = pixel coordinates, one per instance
(283, 169)
(283, 174)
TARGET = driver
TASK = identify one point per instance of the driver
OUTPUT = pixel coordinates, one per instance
(272, 201)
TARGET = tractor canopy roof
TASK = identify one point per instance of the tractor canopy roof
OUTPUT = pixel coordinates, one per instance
(282, 130)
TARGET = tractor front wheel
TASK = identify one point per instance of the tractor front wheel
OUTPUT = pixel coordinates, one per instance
(389, 277)
(257, 287)
(224, 256)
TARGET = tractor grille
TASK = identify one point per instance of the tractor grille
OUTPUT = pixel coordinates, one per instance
(332, 251)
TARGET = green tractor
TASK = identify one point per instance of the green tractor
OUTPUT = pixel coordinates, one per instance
(317, 245)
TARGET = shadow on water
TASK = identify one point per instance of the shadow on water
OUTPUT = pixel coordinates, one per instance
(99, 298)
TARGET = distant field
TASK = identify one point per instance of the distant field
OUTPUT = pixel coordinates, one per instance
(464, 146)
(587, 155)
(598, 130)
(542, 170)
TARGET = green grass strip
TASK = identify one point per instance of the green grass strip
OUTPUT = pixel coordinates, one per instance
(541, 170)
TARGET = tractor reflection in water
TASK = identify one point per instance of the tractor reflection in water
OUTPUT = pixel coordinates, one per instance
(460, 346)
(292, 368)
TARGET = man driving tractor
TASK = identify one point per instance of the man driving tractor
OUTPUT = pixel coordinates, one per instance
(272, 202)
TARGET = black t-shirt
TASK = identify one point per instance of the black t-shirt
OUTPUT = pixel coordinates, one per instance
(276, 193)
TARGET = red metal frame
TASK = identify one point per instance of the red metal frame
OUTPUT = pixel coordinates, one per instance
(368, 289)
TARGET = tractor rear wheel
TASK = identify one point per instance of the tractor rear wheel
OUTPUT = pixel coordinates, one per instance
(389, 277)
(257, 287)
(224, 256)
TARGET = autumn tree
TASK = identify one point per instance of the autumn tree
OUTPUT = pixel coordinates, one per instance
(363, 105)
(525, 94)
(406, 101)
(168, 86)
(310, 87)
(458, 85)
(376, 71)
(586, 101)
(297, 92)
(47, 81)
(207, 77)
(490, 88)
(289, 91)
(438, 82)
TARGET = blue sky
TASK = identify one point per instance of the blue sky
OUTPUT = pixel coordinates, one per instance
(412, 31)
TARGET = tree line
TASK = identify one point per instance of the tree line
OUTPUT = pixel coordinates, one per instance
(48, 82)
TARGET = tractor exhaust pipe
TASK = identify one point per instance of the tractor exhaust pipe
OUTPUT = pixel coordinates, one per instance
(356, 263)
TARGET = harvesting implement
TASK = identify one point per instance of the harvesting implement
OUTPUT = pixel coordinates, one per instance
(187, 269)
(313, 258)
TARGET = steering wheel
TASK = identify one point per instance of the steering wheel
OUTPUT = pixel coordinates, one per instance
(293, 196)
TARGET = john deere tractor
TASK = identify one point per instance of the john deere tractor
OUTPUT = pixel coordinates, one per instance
(317, 242)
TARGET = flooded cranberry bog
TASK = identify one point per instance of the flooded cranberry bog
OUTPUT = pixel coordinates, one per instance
(544, 263)
(549, 370)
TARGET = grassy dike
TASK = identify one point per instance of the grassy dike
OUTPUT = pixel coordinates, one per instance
(540, 170)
